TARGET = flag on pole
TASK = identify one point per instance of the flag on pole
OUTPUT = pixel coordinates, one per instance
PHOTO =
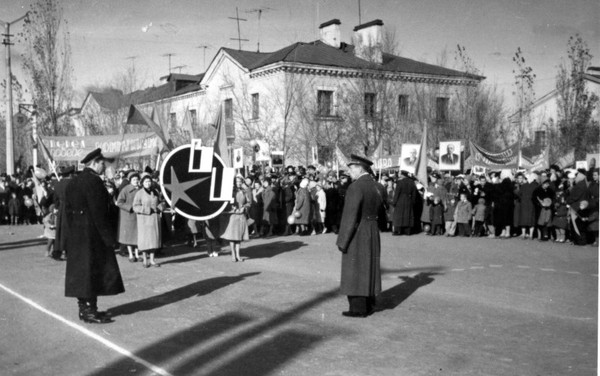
(136, 116)
(378, 153)
(220, 146)
(340, 158)
(421, 167)
(187, 122)
(48, 155)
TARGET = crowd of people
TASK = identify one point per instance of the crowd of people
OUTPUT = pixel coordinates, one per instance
(547, 205)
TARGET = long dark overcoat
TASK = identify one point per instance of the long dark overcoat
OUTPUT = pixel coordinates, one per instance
(303, 206)
(60, 188)
(92, 268)
(527, 212)
(359, 239)
(405, 195)
(270, 206)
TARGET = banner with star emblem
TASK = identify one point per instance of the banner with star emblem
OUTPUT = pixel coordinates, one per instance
(195, 181)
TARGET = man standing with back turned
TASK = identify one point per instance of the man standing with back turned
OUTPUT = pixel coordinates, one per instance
(358, 240)
(92, 268)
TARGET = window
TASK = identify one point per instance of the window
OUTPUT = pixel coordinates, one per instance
(173, 120)
(403, 105)
(325, 103)
(194, 118)
(255, 106)
(228, 108)
(369, 110)
(441, 109)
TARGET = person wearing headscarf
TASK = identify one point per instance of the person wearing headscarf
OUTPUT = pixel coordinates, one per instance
(148, 208)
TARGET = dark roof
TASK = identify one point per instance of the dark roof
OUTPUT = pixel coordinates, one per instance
(184, 77)
(110, 99)
(319, 53)
(372, 23)
(335, 21)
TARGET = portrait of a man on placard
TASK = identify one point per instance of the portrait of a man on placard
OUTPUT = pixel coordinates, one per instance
(409, 157)
(450, 155)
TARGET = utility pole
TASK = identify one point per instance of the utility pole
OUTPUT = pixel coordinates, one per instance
(239, 38)
(204, 47)
(169, 54)
(259, 11)
(359, 17)
(10, 158)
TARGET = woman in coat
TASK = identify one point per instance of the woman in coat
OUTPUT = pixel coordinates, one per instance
(148, 209)
(233, 220)
(405, 196)
(303, 207)
(527, 213)
(127, 218)
(271, 205)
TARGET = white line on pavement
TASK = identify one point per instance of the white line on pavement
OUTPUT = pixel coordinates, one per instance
(495, 266)
(523, 267)
(573, 272)
(89, 333)
(476, 267)
(547, 269)
(457, 270)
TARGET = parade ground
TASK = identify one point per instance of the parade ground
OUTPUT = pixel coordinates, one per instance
(450, 306)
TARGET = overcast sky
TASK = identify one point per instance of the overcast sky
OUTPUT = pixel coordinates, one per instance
(105, 32)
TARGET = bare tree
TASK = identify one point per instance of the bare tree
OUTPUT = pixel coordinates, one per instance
(47, 59)
(524, 92)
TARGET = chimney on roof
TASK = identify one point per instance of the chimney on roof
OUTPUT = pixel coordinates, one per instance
(330, 32)
(368, 41)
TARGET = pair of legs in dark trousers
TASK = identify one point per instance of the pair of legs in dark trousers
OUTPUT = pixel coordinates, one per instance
(463, 229)
(360, 305)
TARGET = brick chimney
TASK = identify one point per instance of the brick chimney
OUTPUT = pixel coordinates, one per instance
(368, 41)
(330, 32)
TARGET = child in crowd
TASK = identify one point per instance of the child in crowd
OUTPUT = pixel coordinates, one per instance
(479, 212)
(560, 221)
(462, 215)
(449, 217)
(50, 229)
(436, 216)
(14, 208)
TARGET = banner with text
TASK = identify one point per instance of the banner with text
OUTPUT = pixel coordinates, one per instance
(505, 159)
(130, 145)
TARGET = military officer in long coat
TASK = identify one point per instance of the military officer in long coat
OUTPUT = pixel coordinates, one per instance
(358, 240)
(92, 268)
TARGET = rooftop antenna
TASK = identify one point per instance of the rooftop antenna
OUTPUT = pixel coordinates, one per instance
(179, 67)
(238, 19)
(359, 18)
(132, 58)
(204, 47)
(259, 11)
(168, 54)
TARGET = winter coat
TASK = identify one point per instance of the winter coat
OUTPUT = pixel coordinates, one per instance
(303, 206)
(359, 240)
(436, 214)
(479, 212)
(527, 212)
(50, 226)
(449, 211)
(148, 212)
(127, 217)
(320, 206)
(270, 205)
(405, 196)
(463, 211)
(14, 207)
(59, 194)
(92, 269)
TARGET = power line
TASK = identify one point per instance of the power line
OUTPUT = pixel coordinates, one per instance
(239, 38)
(168, 54)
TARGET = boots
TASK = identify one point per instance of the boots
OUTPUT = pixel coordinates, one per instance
(88, 312)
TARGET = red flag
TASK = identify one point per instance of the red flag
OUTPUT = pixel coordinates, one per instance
(220, 146)
(136, 116)
(421, 168)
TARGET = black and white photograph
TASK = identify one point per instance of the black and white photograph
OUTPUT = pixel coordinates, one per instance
(450, 155)
(299, 187)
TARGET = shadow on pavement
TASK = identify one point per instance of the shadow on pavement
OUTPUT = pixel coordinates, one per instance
(183, 353)
(393, 297)
(22, 244)
(183, 259)
(199, 288)
(268, 250)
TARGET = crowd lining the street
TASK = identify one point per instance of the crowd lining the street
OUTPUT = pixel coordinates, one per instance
(547, 205)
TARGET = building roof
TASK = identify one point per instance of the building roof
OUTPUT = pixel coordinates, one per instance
(110, 99)
(319, 53)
